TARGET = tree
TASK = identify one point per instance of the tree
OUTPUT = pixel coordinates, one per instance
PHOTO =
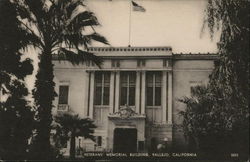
(16, 116)
(229, 81)
(71, 126)
(55, 27)
(206, 127)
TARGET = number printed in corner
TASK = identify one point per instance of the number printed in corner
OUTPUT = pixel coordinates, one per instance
(234, 155)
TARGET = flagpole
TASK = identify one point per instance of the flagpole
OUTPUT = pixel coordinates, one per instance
(129, 37)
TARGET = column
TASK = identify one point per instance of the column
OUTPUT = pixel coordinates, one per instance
(137, 92)
(143, 92)
(117, 91)
(164, 97)
(86, 97)
(170, 91)
(112, 88)
(91, 94)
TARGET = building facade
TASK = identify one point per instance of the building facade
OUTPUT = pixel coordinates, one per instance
(132, 97)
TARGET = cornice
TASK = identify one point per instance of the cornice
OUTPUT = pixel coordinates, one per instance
(129, 49)
(195, 56)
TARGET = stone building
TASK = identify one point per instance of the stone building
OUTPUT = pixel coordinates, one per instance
(133, 97)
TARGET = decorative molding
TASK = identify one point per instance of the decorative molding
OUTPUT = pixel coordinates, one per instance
(126, 113)
(143, 52)
(198, 56)
(128, 49)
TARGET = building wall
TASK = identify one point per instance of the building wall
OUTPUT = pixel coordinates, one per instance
(76, 77)
(186, 70)
(186, 73)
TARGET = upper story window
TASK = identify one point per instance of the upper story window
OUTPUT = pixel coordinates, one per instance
(194, 84)
(63, 94)
(153, 83)
(128, 88)
(102, 87)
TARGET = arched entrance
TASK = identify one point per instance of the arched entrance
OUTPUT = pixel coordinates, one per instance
(125, 140)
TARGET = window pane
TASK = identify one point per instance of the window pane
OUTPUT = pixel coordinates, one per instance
(99, 141)
(63, 94)
(123, 96)
(106, 88)
(132, 77)
(98, 77)
(158, 79)
(149, 96)
(124, 79)
(149, 79)
(106, 96)
(106, 79)
(98, 95)
(157, 96)
(131, 96)
(124, 85)
(149, 92)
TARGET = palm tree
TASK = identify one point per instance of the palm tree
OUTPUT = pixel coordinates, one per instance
(55, 27)
(71, 126)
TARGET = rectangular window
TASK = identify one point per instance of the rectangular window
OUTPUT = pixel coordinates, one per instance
(99, 140)
(194, 84)
(63, 94)
(153, 82)
(128, 88)
(102, 87)
(115, 63)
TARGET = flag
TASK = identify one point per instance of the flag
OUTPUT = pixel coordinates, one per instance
(137, 7)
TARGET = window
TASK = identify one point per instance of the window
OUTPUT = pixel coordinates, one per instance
(63, 94)
(194, 84)
(115, 63)
(128, 88)
(167, 63)
(99, 140)
(140, 63)
(153, 88)
(140, 145)
(102, 87)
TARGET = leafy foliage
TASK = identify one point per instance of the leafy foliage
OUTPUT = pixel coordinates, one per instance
(70, 126)
(204, 122)
(227, 113)
(54, 27)
(16, 116)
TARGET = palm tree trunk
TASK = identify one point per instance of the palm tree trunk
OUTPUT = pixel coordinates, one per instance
(44, 95)
(72, 146)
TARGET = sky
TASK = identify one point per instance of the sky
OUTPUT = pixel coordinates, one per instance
(175, 23)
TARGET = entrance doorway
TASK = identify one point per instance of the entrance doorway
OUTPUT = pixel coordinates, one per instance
(125, 140)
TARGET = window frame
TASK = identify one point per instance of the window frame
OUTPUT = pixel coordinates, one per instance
(154, 86)
(128, 76)
(103, 85)
(59, 92)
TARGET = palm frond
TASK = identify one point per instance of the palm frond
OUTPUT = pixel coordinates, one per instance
(72, 122)
(23, 11)
(82, 19)
(80, 57)
(97, 37)
(78, 39)
(30, 39)
(73, 6)
(36, 7)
